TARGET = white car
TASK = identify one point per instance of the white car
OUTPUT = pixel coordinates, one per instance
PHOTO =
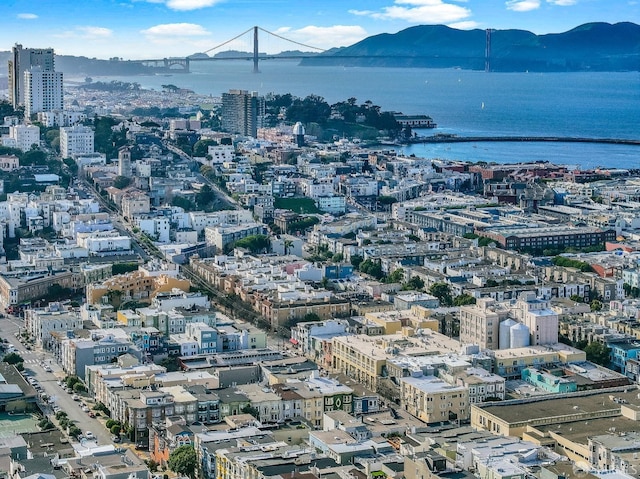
(89, 435)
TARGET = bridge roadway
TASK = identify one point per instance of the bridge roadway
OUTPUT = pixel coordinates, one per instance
(515, 139)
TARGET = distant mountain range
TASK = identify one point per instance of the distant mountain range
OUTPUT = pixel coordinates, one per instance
(589, 47)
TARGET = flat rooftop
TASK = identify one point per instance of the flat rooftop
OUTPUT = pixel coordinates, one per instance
(580, 431)
(567, 405)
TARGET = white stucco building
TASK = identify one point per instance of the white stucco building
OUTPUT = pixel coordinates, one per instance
(22, 137)
(76, 140)
(43, 91)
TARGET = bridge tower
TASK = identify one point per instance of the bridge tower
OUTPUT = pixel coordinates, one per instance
(255, 50)
(487, 51)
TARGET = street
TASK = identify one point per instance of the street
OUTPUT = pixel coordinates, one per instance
(33, 361)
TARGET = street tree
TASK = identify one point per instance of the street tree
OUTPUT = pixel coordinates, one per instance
(13, 358)
(183, 460)
(597, 353)
(442, 291)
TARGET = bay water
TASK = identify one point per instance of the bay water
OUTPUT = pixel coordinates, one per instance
(466, 103)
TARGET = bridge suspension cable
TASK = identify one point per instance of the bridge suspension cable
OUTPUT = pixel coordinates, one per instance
(290, 41)
(229, 41)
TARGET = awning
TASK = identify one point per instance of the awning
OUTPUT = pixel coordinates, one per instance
(293, 341)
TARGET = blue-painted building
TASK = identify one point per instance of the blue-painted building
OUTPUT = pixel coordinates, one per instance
(619, 353)
(338, 271)
(549, 382)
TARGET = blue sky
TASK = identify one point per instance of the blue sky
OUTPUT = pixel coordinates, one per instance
(135, 29)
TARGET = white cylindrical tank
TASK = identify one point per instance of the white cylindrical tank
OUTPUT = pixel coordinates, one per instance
(504, 336)
(519, 336)
(298, 129)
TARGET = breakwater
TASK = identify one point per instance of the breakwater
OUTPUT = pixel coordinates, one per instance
(444, 138)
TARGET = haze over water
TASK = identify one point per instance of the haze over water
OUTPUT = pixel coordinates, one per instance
(595, 105)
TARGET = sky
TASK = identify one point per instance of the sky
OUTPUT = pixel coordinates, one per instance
(145, 29)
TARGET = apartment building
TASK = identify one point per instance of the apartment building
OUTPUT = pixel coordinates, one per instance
(432, 400)
(41, 322)
(76, 140)
(22, 137)
(21, 61)
(537, 315)
(480, 323)
(43, 91)
(101, 348)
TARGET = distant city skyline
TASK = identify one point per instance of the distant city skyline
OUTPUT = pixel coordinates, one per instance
(134, 29)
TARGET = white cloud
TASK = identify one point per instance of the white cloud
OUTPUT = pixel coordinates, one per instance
(466, 25)
(419, 11)
(362, 13)
(27, 16)
(563, 3)
(87, 33)
(176, 30)
(523, 5)
(95, 32)
(184, 5)
(324, 37)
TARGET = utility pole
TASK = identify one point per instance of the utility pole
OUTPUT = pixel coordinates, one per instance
(255, 50)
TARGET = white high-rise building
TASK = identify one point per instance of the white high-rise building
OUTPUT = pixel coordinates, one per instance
(76, 140)
(43, 91)
(22, 60)
(22, 137)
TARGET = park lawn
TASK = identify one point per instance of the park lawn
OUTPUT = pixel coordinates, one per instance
(297, 205)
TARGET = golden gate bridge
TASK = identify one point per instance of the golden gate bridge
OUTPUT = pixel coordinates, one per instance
(183, 64)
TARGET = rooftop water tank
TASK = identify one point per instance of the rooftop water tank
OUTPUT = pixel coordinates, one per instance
(504, 336)
(519, 336)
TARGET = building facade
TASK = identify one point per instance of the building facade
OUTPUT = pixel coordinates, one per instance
(76, 140)
(242, 112)
(43, 91)
(21, 60)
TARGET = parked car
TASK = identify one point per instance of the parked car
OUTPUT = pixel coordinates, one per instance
(89, 435)
(142, 447)
(75, 397)
(115, 439)
(92, 414)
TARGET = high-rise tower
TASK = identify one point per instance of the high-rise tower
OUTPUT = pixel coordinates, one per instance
(242, 112)
(22, 60)
(43, 91)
